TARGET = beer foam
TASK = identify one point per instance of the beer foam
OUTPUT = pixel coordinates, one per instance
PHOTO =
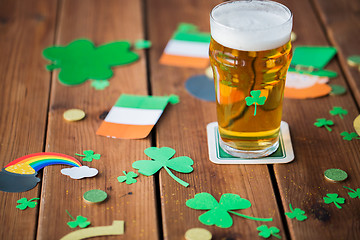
(251, 25)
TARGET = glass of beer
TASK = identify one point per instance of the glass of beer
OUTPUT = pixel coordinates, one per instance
(250, 52)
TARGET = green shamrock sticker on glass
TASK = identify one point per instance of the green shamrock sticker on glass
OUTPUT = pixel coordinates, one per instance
(161, 159)
(89, 155)
(322, 122)
(218, 212)
(267, 232)
(81, 60)
(296, 213)
(349, 136)
(353, 193)
(80, 221)
(24, 203)
(129, 177)
(338, 111)
(255, 99)
(334, 198)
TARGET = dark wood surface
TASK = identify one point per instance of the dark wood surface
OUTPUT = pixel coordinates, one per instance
(32, 103)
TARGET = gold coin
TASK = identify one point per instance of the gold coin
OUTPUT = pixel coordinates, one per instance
(74, 115)
(209, 73)
(293, 36)
(357, 125)
(198, 234)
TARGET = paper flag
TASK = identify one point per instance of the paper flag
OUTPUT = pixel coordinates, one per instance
(133, 116)
(187, 48)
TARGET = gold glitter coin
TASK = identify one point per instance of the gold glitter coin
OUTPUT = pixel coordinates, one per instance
(357, 125)
(293, 36)
(198, 234)
(335, 174)
(73, 115)
(95, 196)
(209, 73)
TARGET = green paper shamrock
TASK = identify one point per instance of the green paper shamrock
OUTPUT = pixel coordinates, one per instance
(89, 156)
(129, 177)
(255, 99)
(80, 60)
(349, 136)
(322, 122)
(266, 231)
(80, 221)
(333, 198)
(353, 193)
(142, 44)
(24, 203)
(100, 84)
(337, 89)
(218, 213)
(296, 213)
(338, 111)
(161, 157)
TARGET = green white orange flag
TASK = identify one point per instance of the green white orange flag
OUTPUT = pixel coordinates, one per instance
(134, 116)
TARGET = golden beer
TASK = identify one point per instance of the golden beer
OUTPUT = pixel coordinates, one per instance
(244, 63)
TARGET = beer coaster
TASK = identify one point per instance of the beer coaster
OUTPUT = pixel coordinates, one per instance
(284, 154)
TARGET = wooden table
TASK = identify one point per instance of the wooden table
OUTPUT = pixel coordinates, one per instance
(33, 101)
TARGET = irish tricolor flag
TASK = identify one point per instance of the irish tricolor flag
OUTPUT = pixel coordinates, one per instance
(133, 116)
(187, 48)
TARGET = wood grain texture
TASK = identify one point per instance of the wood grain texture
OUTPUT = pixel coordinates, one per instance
(100, 21)
(25, 29)
(302, 182)
(183, 128)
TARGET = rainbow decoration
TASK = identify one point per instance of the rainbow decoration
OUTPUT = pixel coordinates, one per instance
(32, 163)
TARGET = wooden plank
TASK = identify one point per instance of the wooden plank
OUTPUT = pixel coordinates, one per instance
(26, 28)
(342, 23)
(100, 21)
(183, 128)
(302, 182)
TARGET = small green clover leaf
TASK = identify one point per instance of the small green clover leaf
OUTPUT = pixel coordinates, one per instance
(142, 44)
(296, 213)
(338, 111)
(129, 177)
(89, 156)
(255, 99)
(333, 198)
(266, 231)
(218, 213)
(322, 122)
(353, 193)
(80, 221)
(349, 136)
(100, 84)
(161, 159)
(24, 203)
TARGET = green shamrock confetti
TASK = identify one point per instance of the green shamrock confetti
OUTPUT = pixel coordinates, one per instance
(349, 136)
(80, 221)
(255, 99)
(353, 193)
(218, 213)
(296, 213)
(322, 122)
(80, 60)
(337, 89)
(100, 84)
(333, 198)
(24, 203)
(267, 232)
(89, 156)
(142, 44)
(161, 157)
(338, 111)
(129, 177)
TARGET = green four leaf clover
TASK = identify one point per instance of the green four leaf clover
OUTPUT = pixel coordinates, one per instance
(129, 177)
(353, 193)
(89, 155)
(255, 99)
(322, 122)
(338, 111)
(296, 213)
(333, 198)
(349, 136)
(80, 221)
(24, 203)
(266, 231)
(161, 159)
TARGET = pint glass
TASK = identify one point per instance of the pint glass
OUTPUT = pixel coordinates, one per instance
(250, 52)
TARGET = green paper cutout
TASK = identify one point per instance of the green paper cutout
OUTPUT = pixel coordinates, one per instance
(337, 89)
(142, 44)
(89, 156)
(314, 56)
(80, 60)
(267, 232)
(335, 174)
(218, 213)
(24, 203)
(322, 122)
(100, 84)
(314, 72)
(333, 198)
(80, 221)
(161, 159)
(354, 60)
(296, 213)
(95, 196)
(353, 193)
(129, 177)
(145, 102)
(190, 32)
(255, 99)
(338, 111)
(349, 136)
